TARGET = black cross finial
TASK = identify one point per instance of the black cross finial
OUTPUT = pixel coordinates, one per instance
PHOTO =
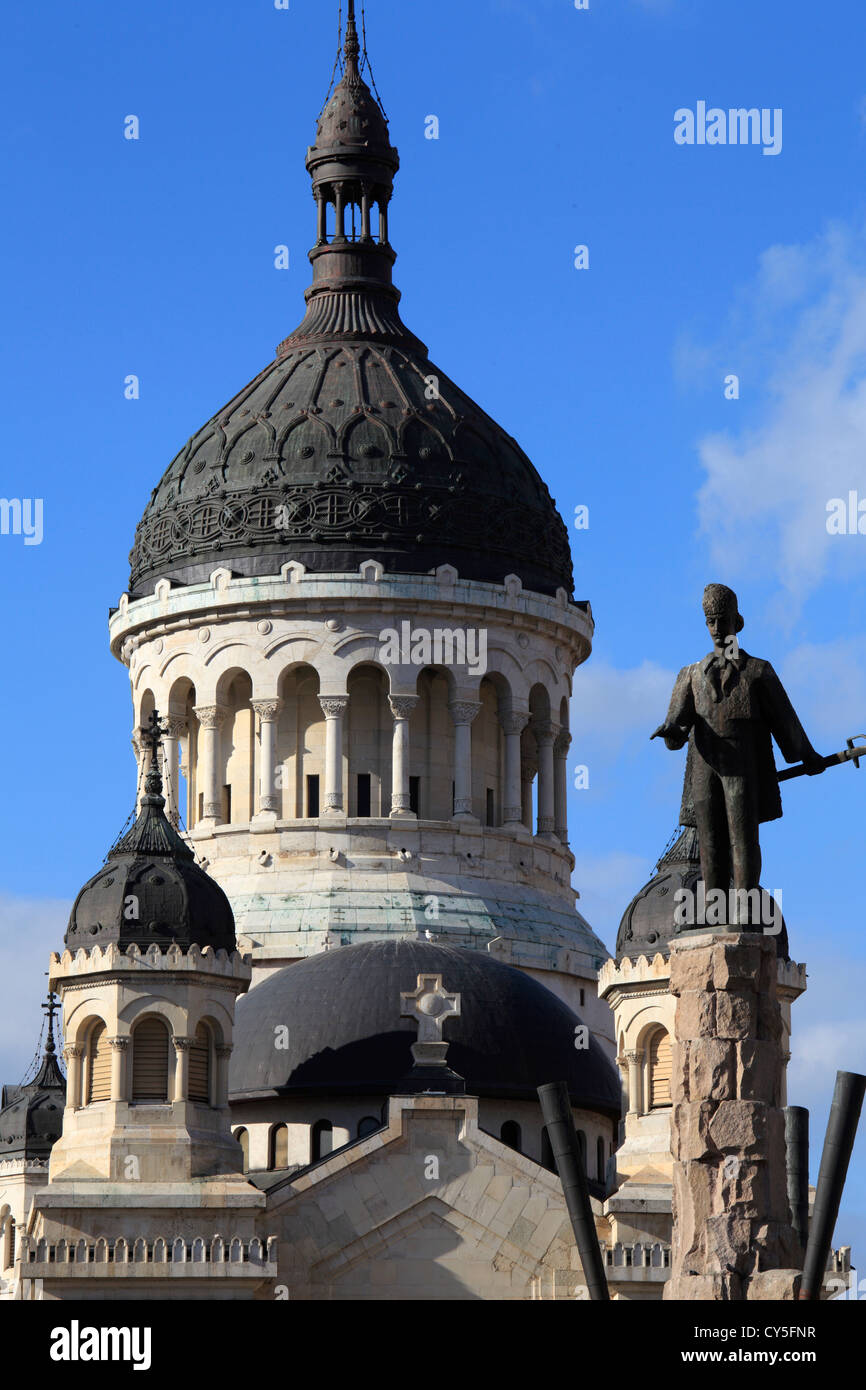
(153, 734)
(51, 1009)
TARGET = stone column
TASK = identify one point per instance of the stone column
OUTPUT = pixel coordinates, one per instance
(268, 712)
(175, 727)
(633, 1061)
(732, 1238)
(528, 773)
(401, 708)
(72, 1055)
(138, 750)
(462, 713)
(513, 723)
(221, 1087)
(545, 733)
(560, 785)
(119, 1048)
(210, 718)
(334, 707)
(182, 1048)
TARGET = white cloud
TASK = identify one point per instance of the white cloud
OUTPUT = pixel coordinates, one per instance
(797, 340)
(612, 707)
(30, 929)
(832, 679)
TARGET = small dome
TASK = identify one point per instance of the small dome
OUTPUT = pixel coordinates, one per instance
(31, 1116)
(346, 1035)
(151, 891)
(648, 924)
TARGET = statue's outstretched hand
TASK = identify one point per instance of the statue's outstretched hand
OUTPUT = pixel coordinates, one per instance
(673, 734)
(814, 763)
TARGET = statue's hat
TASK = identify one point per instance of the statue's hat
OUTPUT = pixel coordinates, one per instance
(718, 598)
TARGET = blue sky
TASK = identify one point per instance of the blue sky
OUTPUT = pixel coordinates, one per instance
(155, 257)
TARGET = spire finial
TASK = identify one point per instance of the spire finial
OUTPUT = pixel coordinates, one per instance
(152, 734)
(51, 1009)
(352, 48)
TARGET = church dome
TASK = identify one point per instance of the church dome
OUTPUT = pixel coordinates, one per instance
(346, 1035)
(150, 891)
(352, 445)
(648, 924)
(31, 1116)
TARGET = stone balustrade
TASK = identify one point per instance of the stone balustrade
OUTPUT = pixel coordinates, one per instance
(158, 1257)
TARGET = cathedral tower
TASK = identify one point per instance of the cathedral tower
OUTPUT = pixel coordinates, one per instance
(351, 592)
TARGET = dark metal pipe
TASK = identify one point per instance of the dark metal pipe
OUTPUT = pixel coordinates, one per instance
(841, 1129)
(797, 1151)
(556, 1109)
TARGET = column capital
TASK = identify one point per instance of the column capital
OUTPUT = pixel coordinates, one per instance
(182, 1044)
(72, 1050)
(175, 725)
(334, 706)
(545, 732)
(402, 705)
(633, 1057)
(224, 1050)
(561, 744)
(464, 711)
(513, 721)
(119, 1044)
(267, 710)
(210, 716)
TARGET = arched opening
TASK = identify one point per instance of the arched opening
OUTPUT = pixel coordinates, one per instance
(278, 1147)
(368, 1125)
(243, 1138)
(488, 754)
(368, 737)
(321, 1140)
(150, 1072)
(599, 1159)
(237, 737)
(200, 1068)
(98, 1057)
(510, 1134)
(300, 758)
(179, 754)
(581, 1144)
(659, 1063)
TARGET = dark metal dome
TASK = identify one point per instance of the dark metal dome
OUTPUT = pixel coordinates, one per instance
(346, 1036)
(151, 891)
(648, 924)
(352, 444)
(31, 1116)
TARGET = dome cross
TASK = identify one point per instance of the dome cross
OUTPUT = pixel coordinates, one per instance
(430, 1005)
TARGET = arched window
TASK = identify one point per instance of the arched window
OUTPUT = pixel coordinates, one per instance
(278, 1155)
(510, 1134)
(98, 1065)
(547, 1159)
(581, 1144)
(243, 1138)
(322, 1140)
(599, 1159)
(150, 1060)
(199, 1065)
(367, 1126)
(659, 1067)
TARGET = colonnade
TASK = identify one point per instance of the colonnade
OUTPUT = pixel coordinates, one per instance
(541, 752)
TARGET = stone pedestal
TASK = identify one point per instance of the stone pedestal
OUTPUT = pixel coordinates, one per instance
(732, 1236)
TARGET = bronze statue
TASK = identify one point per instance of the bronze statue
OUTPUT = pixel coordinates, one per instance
(730, 706)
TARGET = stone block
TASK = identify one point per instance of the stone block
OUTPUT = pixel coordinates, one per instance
(680, 1072)
(690, 1131)
(774, 1285)
(693, 1197)
(737, 964)
(758, 1071)
(691, 969)
(739, 1127)
(695, 1015)
(703, 1288)
(712, 1070)
(728, 1242)
(736, 1015)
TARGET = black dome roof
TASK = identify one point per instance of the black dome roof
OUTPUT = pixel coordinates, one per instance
(648, 924)
(346, 1036)
(151, 891)
(31, 1116)
(352, 444)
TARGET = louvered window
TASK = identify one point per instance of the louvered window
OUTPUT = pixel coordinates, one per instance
(660, 1070)
(199, 1066)
(98, 1065)
(150, 1061)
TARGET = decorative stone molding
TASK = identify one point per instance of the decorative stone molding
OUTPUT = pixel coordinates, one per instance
(118, 1044)
(210, 716)
(546, 825)
(175, 726)
(545, 733)
(561, 744)
(513, 721)
(402, 706)
(72, 1051)
(334, 706)
(98, 960)
(182, 1044)
(464, 711)
(267, 710)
